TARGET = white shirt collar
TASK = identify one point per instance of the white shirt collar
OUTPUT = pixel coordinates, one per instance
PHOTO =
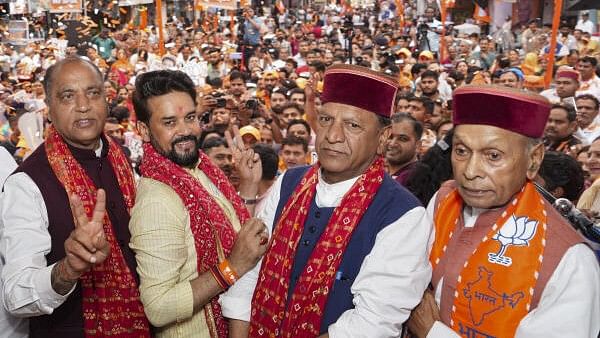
(98, 151)
(470, 215)
(331, 195)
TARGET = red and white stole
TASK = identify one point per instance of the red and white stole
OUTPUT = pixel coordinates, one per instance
(111, 299)
(210, 227)
(302, 317)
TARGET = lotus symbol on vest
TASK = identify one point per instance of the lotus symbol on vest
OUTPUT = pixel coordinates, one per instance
(516, 231)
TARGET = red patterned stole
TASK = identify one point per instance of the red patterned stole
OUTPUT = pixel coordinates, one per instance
(111, 299)
(302, 316)
(211, 228)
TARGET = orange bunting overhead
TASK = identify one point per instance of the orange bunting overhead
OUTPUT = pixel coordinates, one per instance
(552, 51)
(481, 14)
(400, 11)
(280, 6)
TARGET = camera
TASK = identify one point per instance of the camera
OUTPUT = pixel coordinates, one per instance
(422, 28)
(252, 104)
(347, 27)
(390, 59)
(221, 102)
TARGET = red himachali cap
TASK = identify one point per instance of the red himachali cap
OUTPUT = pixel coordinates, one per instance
(360, 87)
(507, 108)
(568, 73)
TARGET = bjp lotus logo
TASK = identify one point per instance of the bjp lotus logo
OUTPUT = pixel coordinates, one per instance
(516, 231)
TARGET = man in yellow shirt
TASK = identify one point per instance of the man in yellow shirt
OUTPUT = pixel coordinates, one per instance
(185, 226)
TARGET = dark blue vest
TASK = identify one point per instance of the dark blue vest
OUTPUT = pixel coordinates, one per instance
(390, 203)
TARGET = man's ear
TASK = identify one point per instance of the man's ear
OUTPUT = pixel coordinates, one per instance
(144, 131)
(418, 146)
(48, 115)
(536, 156)
(383, 137)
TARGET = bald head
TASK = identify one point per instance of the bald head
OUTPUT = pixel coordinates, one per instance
(55, 69)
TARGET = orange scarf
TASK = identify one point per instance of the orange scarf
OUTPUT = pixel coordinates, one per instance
(494, 290)
(111, 300)
(301, 318)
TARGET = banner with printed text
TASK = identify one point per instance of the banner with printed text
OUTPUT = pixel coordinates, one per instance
(224, 4)
(134, 2)
(64, 6)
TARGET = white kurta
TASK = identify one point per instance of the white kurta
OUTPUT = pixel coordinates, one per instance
(26, 282)
(391, 280)
(9, 326)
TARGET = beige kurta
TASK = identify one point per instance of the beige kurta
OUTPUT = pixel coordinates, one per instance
(166, 256)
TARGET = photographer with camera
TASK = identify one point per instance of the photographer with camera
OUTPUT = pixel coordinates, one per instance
(428, 31)
(220, 117)
(253, 112)
(253, 27)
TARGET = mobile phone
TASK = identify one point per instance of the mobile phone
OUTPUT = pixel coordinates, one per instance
(235, 56)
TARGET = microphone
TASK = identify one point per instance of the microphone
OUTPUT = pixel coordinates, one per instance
(580, 221)
(577, 219)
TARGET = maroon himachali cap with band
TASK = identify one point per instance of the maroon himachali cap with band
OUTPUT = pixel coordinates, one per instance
(515, 110)
(568, 73)
(360, 87)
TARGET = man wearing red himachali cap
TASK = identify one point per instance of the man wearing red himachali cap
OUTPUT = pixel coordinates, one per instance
(349, 246)
(505, 263)
(567, 84)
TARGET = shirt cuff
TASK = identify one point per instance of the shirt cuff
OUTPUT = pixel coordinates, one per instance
(236, 303)
(440, 330)
(235, 307)
(185, 301)
(43, 283)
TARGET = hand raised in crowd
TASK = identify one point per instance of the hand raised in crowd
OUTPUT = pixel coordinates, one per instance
(206, 102)
(246, 161)
(310, 94)
(86, 245)
(251, 244)
(245, 113)
(423, 317)
(574, 150)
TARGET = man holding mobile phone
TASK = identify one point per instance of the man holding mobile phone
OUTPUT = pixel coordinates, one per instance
(253, 27)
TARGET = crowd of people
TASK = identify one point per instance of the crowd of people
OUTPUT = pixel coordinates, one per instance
(331, 171)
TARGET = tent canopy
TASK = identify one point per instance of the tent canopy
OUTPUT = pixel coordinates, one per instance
(585, 4)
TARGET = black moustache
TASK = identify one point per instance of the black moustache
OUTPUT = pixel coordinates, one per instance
(183, 139)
